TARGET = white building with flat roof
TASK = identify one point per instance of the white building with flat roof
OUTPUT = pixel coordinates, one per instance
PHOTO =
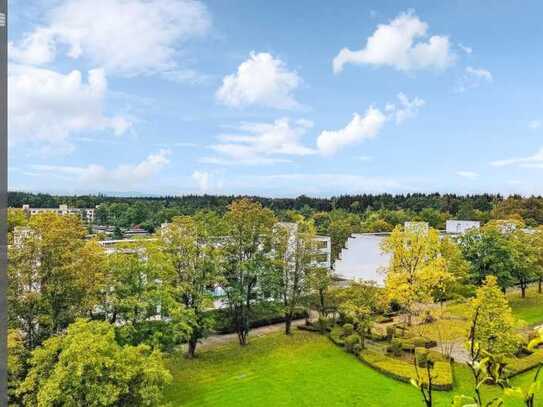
(86, 214)
(459, 227)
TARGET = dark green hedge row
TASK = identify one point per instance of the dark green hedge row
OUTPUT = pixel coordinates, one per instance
(260, 315)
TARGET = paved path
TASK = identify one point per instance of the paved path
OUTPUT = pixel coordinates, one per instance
(220, 340)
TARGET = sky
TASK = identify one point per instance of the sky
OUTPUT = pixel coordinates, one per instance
(275, 98)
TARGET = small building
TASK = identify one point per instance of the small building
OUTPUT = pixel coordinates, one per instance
(459, 227)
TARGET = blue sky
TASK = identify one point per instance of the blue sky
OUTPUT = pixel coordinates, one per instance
(275, 98)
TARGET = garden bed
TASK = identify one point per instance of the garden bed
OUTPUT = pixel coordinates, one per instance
(405, 371)
(520, 365)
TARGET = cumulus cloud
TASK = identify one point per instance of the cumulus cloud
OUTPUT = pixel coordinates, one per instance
(361, 127)
(473, 78)
(262, 143)
(402, 44)
(47, 108)
(128, 37)
(260, 80)
(532, 161)
(467, 174)
(467, 50)
(123, 176)
(405, 108)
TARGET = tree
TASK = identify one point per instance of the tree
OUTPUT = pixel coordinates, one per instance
(525, 258)
(495, 323)
(191, 261)
(416, 267)
(247, 258)
(489, 252)
(54, 276)
(85, 366)
(140, 302)
(538, 247)
(319, 282)
(17, 364)
(294, 253)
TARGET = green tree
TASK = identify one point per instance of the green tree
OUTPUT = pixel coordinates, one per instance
(294, 254)
(85, 366)
(247, 258)
(191, 260)
(17, 365)
(54, 276)
(489, 252)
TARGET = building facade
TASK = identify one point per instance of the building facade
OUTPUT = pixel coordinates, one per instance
(87, 214)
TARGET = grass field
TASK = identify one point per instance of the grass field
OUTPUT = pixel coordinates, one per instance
(305, 369)
(529, 309)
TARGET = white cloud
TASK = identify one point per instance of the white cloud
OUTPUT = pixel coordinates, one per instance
(467, 50)
(534, 124)
(201, 178)
(405, 109)
(260, 80)
(123, 176)
(358, 129)
(473, 78)
(47, 108)
(128, 37)
(467, 174)
(400, 44)
(533, 161)
(262, 143)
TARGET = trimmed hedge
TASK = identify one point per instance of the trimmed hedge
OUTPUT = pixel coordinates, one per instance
(336, 335)
(259, 315)
(517, 366)
(404, 371)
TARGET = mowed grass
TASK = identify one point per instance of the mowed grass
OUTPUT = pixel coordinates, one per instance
(529, 309)
(305, 369)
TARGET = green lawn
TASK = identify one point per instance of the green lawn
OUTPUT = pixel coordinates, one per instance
(529, 309)
(305, 369)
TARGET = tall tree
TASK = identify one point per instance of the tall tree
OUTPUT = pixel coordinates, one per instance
(54, 276)
(417, 265)
(191, 260)
(247, 257)
(294, 254)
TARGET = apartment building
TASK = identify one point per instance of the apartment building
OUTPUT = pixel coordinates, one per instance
(87, 214)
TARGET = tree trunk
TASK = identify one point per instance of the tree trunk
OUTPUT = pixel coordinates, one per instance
(321, 296)
(192, 348)
(288, 323)
(523, 290)
(540, 288)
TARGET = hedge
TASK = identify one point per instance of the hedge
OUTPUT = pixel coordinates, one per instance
(336, 335)
(517, 366)
(259, 315)
(404, 371)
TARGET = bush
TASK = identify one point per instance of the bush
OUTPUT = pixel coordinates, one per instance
(336, 335)
(395, 347)
(348, 329)
(516, 366)
(422, 357)
(378, 337)
(260, 315)
(422, 342)
(382, 319)
(405, 371)
(350, 342)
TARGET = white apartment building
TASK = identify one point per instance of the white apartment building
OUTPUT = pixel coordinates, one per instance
(86, 214)
(459, 227)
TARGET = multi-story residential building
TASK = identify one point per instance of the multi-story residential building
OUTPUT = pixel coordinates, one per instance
(86, 214)
(459, 227)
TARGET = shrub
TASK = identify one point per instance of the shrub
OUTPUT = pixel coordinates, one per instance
(383, 319)
(336, 335)
(422, 342)
(395, 347)
(350, 341)
(516, 366)
(422, 357)
(348, 329)
(405, 371)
